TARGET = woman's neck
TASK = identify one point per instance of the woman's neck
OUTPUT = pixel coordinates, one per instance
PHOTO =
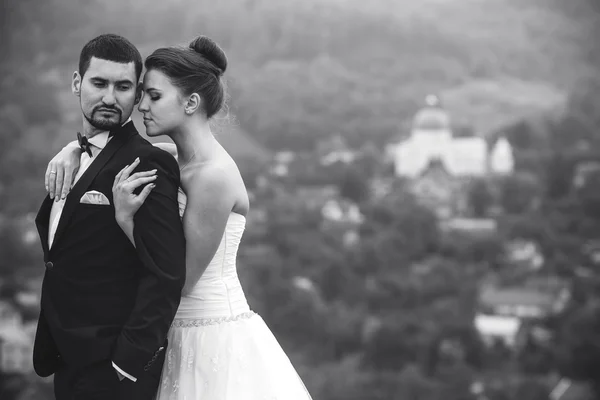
(194, 143)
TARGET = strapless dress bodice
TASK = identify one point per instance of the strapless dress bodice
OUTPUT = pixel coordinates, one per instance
(218, 293)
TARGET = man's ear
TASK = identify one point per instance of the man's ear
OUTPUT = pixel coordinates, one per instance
(138, 92)
(193, 103)
(76, 84)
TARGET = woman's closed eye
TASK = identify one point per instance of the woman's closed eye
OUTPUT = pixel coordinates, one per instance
(153, 95)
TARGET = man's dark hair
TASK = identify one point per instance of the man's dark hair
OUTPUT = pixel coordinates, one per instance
(110, 47)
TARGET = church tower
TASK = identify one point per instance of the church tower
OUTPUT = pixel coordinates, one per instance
(430, 138)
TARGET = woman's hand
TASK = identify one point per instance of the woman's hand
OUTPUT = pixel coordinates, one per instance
(126, 202)
(61, 171)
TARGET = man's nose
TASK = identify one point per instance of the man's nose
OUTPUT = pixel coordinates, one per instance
(109, 98)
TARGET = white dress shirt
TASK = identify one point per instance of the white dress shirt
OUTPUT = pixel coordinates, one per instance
(97, 143)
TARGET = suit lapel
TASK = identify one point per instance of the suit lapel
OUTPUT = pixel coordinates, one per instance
(42, 222)
(120, 138)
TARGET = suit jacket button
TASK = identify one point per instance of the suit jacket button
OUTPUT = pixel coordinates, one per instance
(49, 265)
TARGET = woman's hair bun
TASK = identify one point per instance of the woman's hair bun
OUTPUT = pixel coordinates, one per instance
(210, 50)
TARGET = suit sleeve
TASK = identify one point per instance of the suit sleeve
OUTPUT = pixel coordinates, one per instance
(160, 244)
(46, 357)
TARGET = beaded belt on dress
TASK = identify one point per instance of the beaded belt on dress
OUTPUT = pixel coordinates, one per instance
(184, 322)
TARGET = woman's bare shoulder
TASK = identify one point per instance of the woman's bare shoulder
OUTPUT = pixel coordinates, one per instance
(217, 181)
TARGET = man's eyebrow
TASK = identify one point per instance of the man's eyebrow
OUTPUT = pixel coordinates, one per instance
(103, 80)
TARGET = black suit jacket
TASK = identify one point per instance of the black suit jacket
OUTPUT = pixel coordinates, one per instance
(102, 298)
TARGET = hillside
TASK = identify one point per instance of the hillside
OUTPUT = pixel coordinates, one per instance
(300, 71)
(361, 69)
(493, 104)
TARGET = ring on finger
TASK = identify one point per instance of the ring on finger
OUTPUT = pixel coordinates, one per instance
(52, 172)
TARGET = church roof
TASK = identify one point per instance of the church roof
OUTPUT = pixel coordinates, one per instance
(431, 118)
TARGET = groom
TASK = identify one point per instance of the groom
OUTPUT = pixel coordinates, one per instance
(107, 305)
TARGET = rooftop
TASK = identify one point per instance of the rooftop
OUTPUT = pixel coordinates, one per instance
(517, 297)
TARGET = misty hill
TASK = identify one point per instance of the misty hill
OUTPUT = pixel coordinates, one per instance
(300, 71)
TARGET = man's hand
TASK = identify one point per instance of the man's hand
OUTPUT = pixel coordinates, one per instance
(61, 171)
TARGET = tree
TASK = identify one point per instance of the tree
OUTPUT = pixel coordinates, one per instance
(588, 197)
(397, 231)
(559, 175)
(518, 193)
(17, 254)
(354, 185)
(251, 169)
(577, 344)
(479, 197)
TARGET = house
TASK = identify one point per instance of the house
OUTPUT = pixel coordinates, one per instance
(9, 315)
(335, 150)
(342, 217)
(16, 341)
(16, 351)
(584, 171)
(567, 389)
(524, 253)
(510, 314)
(522, 302)
(592, 249)
(281, 163)
(342, 211)
(504, 329)
(476, 227)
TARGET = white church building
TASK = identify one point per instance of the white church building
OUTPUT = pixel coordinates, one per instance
(431, 140)
(440, 165)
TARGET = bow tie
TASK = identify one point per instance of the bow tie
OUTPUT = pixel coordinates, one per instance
(84, 144)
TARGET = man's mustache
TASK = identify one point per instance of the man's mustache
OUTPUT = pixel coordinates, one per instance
(107, 108)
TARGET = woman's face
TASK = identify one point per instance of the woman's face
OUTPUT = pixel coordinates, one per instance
(162, 104)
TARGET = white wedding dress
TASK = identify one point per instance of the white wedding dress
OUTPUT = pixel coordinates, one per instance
(218, 348)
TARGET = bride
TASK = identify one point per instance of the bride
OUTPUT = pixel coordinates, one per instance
(219, 349)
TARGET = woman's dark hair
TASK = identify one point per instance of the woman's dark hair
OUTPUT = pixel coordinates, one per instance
(196, 69)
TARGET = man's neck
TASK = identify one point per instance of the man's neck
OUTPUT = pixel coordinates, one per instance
(89, 131)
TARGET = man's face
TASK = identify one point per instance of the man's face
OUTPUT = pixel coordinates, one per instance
(107, 92)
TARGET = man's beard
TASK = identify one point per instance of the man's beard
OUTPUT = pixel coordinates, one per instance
(103, 123)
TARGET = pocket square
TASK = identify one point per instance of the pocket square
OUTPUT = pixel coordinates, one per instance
(94, 197)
